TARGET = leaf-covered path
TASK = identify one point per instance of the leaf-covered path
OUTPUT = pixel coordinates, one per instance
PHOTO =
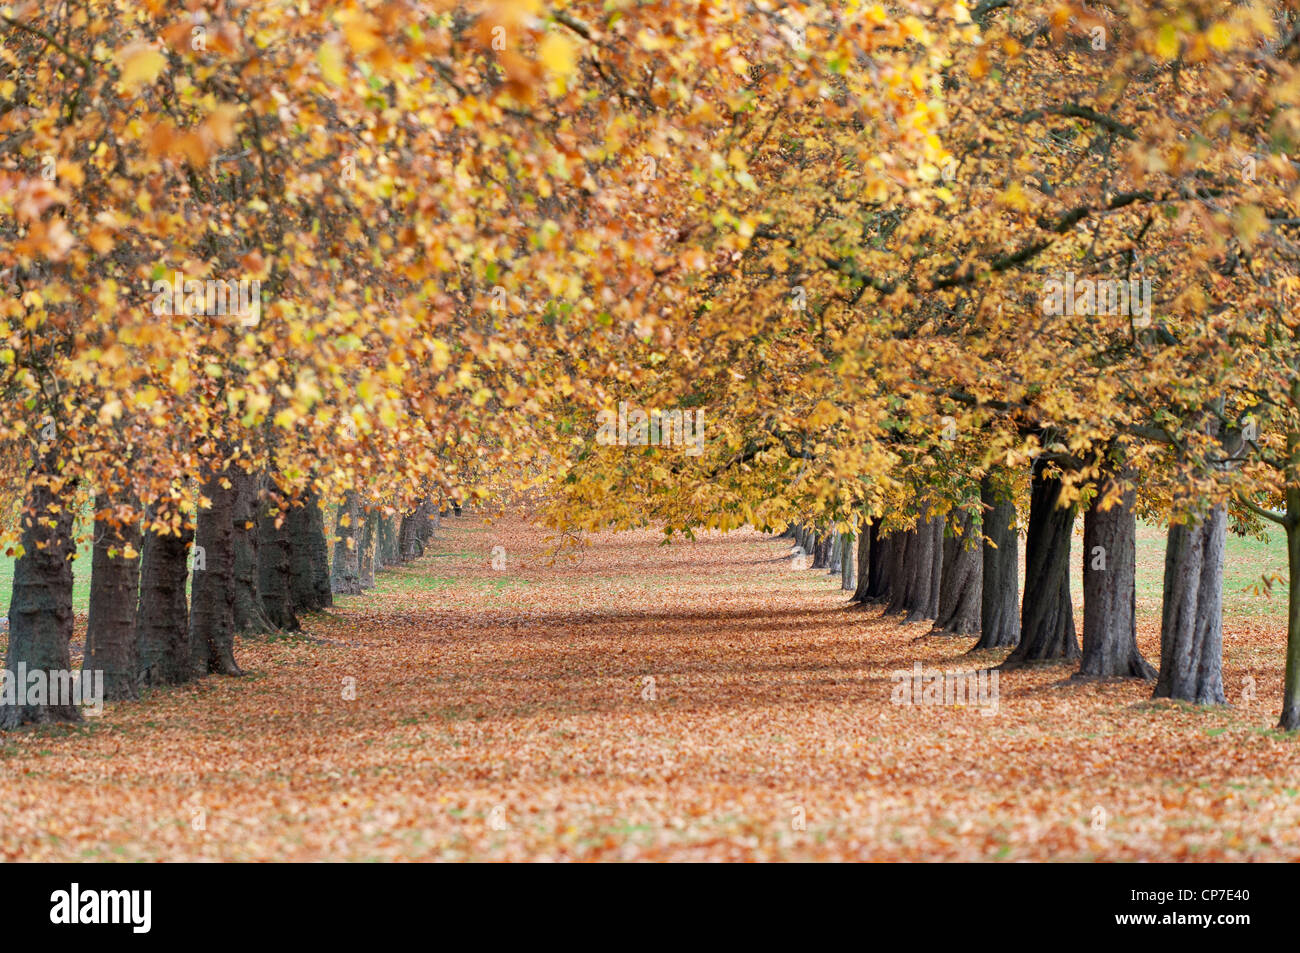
(696, 701)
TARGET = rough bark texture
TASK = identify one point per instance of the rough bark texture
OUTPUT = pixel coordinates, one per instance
(848, 562)
(114, 595)
(385, 543)
(961, 584)
(320, 555)
(40, 610)
(1290, 719)
(249, 615)
(1000, 569)
(901, 569)
(369, 526)
(834, 562)
(345, 575)
(307, 556)
(1109, 590)
(822, 551)
(880, 570)
(1191, 618)
(916, 590)
(212, 587)
(274, 567)
(862, 574)
(162, 625)
(1047, 616)
(432, 520)
(804, 540)
(413, 533)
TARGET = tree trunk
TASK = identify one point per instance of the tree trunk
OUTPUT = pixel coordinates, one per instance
(369, 525)
(428, 522)
(249, 615)
(114, 595)
(1290, 719)
(275, 566)
(961, 584)
(1000, 568)
(345, 576)
(806, 542)
(320, 555)
(411, 536)
(212, 589)
(822, 551)
(866, 537)
(901, 570)
(881, 564)
(1109, 589)
(936, 569)
(922, 567)
(848, 562)
(1191, 617)
(1046, 617)
(40, 610)
(382, 558)
(834, 561)
(307, 555)
(162, 625)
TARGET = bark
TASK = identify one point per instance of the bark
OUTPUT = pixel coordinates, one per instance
(1109, 590)
(936, 569)
(413, 532)
(834, 562)
(307, 556)
(848, 562)
(822, 551)
(345, 576)
(383, 542)
(320, 555)
(212, 589)
(1000, 569)
(426, 526)
(40, 610)
(275, 566)
(1290, 719)
(961, 584)
(807, 543)
(880, 581)
(249, 615)
(863, 570)
(369, 526)
(1047, 616)
(1191, 618)
(921, 570)
(162, 625)
(901, 569)
(114, 595)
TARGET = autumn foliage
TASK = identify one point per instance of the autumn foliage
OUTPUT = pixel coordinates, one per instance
(909, 285)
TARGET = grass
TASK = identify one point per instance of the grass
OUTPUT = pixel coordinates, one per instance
(1247, 561)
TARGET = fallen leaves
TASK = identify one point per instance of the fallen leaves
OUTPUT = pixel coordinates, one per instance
(504, 715)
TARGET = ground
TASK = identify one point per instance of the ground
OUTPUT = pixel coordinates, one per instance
(696, 701)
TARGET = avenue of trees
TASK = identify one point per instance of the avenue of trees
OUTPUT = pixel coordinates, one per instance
(935, 279)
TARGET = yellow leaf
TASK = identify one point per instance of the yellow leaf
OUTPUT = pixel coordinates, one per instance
(1219, 36)
(139, 63)
(1167, 41)
(558, 54)
(330, 60)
